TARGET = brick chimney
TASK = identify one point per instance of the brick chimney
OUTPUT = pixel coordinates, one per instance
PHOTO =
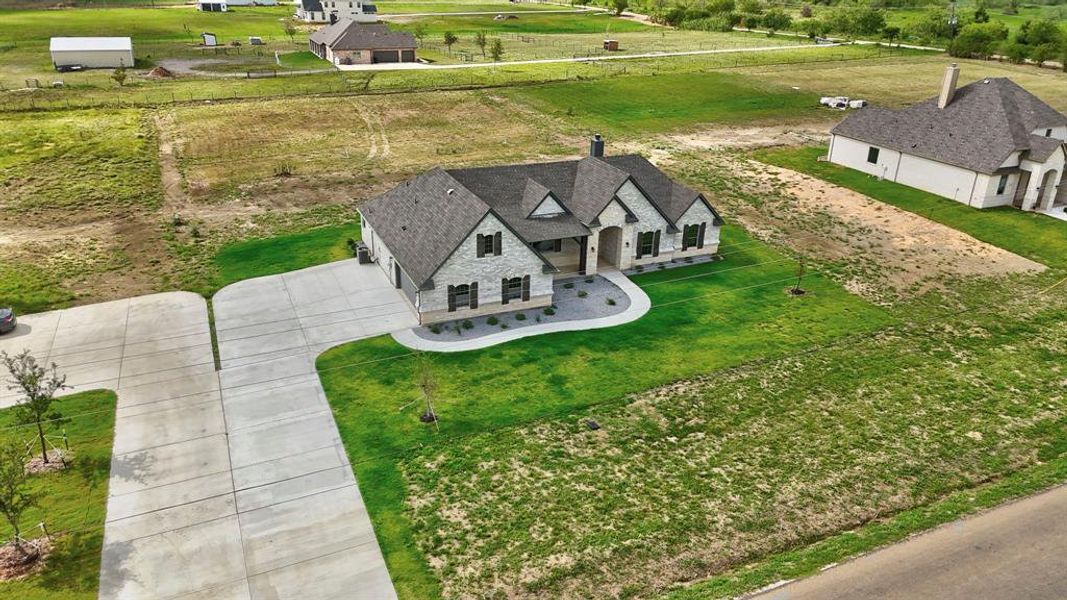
(596, 146)
(948, 85)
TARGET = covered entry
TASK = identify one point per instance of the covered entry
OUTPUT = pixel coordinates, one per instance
(611, 246)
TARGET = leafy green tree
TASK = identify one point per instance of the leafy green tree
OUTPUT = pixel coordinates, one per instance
(620, 6)
(891, 32)
(496, 50)
(480, 40)
(718, 7)
(119, 76)
(866, 21)
(979, 40)
(289, 28)
(776, 19)
(15, 495)
(37, 386)
(981, 15)
(1043, 53)
(1015, 52)
(1036, 33)
(751, 7)
(419, 31)
(450, 39)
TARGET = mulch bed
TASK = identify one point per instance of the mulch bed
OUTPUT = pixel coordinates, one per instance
(57, 461)
(18, 565)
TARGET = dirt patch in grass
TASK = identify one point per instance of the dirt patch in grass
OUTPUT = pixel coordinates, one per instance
(916, 254)
(15, 564)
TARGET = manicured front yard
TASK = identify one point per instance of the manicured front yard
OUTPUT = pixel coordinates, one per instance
(1034, 236)
(270, 256)
(72, 502)
(703, 318)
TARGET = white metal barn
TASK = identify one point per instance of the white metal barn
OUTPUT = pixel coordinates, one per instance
(92, 52)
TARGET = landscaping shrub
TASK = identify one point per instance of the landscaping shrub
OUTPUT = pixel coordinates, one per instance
(582, 293)
(549, 311)
(568, 285)
(589, 280)
(520, 317)
(435, 328)
(467, 324)
(492, 320)
(611, 302)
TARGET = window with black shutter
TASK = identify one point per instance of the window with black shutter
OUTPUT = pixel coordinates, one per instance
(497, 243)
(459, 296)
(700, 237)
(690, 236)
(655, 244)
(511, 289)
(490, 245)
(473, 301)
(481, 245)
(646, 243)
(525, 288)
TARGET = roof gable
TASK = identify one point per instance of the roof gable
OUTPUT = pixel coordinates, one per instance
(424, 219)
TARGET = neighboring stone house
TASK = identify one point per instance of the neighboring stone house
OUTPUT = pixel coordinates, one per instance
(350, 43)
(332, 11)
(464, 242)
(989, 143)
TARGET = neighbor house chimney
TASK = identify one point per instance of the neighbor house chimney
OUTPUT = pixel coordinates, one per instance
(948, 86)
(596, 146)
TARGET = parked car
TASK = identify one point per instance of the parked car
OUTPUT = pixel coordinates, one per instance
(69, 68)
(7, 320)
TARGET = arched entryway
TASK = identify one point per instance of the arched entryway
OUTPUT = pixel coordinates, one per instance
(1047, 191)
(1061, 194)
(611, 246)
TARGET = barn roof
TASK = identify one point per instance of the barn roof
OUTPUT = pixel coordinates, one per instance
(90, 44)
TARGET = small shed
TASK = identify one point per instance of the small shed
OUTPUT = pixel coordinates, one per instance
(611, 45)
(92, 52)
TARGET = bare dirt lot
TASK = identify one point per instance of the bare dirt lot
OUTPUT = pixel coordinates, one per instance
(882, 252)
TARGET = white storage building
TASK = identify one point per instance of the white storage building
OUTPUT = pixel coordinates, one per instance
(92, 52)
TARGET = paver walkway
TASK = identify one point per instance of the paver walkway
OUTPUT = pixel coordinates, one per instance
(639, 305)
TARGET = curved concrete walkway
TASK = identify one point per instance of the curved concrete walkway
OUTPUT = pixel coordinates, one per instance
(639, 305)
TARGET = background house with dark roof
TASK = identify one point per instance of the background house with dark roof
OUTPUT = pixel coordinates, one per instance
(989, 143)
(349, 43)
(332, 11)
(484, 240)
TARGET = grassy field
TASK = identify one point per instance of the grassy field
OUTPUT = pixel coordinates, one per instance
(72, 502)
(98, 162)
(691, 329)
(905, 17)
(259, 257)
(897, 82)
(1034, 236)
(635, 105)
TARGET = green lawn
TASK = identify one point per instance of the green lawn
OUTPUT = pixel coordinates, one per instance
(73, 500)
(270, 256)
(1034, 236)
(736, 311)
(532, 24)
(634, 105)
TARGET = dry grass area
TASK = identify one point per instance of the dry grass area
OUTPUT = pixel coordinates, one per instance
(897, 82)
(314, 150)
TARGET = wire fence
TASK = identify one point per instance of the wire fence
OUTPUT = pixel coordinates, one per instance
(387, 82)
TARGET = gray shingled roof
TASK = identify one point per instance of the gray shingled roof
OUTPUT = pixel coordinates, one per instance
(422, 224)
(346, 34)
(979, 129)
(311, 5)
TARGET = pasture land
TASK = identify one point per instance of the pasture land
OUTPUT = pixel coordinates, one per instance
(905, 80)
(72, 502)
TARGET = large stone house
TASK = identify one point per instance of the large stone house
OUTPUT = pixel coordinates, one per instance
(465, 242)
(989, 143)
(349, 43)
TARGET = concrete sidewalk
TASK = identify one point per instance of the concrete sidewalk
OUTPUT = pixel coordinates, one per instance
(1015, 551)
(639, 305)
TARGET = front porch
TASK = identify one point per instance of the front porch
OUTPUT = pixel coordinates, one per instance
(576, 256)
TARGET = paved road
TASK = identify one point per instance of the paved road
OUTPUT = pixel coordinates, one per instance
(598, 58)
(1015, 551)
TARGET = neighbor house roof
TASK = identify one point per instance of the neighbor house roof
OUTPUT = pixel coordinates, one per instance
(346, 34)
(311, 5)
(979, 129)
(423, 223)
(91, 44)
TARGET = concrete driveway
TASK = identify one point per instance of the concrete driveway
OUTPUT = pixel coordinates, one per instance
(302, 518)
(241, 490)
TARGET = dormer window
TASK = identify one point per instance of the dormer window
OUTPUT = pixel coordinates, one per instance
(490, 245)
(549, 207)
